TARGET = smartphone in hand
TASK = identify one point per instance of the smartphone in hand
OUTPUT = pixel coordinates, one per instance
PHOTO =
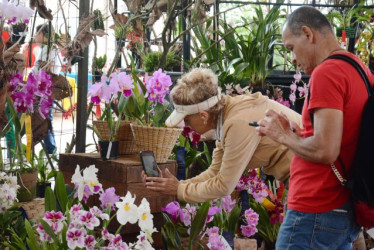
(253, 124)
(149, 163)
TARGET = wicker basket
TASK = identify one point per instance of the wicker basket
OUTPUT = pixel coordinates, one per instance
(159, 140)
(34, 208)
(126, 139)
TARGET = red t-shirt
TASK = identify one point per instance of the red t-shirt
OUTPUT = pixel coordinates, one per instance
(335, 84)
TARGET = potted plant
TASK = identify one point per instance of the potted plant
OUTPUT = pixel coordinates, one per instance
(151, 61)
(242, 54)
(149, 109)
(267, 201)
(41, 163)
(19, 31)
(115, 89)
(99, 65)
(24, 101)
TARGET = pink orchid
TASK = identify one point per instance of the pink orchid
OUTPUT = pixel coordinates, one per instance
(238, 89)
(89, 242)
(43, 235)
(297, 77)
(89, 220)
(227, 203)
(106, 235)
(118, 243)
(75, 237)
(303, 90)
(54, 219)
(98, 213)
(251, 217)
(248, 230)
(158, 86)
(292, 98)
(125, 83)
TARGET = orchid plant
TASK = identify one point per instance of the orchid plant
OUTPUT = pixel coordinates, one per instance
(266, 201)
(115, 89)
(11, 221)
(24, 100)
(14, 11)
(147, 105)
(35, 93)
(79, 226)
(197, 222)
(294, 88)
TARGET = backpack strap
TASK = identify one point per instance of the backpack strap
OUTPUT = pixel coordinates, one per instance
(370, 91)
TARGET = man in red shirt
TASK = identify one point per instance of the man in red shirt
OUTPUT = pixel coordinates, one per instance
(320, 214)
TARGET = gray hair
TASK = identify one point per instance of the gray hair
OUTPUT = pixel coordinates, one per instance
(310, 17)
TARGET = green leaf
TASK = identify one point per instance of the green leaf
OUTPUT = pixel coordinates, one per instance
(50, 200)
(199, 220)
(7, 127)
(61, 194)
(13, 112)
(234, 219)
(31, 241)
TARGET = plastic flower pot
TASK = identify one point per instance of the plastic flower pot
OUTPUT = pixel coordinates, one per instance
(40, 188)
(108, 150)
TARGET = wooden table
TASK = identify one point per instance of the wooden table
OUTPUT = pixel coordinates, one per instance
(124, 174)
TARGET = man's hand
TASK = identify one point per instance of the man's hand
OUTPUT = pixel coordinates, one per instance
(165, 185)
(276, 126)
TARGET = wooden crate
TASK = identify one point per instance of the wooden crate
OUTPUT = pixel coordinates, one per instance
(124, 174)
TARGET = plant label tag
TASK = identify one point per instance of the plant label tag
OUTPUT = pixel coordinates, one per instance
(109, 149)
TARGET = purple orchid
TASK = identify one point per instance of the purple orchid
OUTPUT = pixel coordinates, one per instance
(16, 82)
(109, 197)
(158, 86)
(23, 102)
(173, 208)
(44, 107)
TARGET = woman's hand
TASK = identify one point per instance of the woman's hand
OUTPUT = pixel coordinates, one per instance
(165, 185)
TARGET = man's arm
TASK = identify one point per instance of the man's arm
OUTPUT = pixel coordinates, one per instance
(322, 147)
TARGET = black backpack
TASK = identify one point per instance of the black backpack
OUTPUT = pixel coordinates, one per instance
(361, 182)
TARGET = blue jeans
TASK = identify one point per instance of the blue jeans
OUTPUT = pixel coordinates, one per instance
(335, 229)
(49, 140)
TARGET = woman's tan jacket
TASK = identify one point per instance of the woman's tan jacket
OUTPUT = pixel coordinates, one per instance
(240, 148)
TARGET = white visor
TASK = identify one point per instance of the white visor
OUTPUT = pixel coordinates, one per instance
(181, 111)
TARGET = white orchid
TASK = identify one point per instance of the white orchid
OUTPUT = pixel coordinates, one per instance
(88, 179)
(144, 215)
(8, 191)
(142, 243)
(127, 210)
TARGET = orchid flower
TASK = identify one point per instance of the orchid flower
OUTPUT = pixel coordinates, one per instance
(144, 215)
(89, 178)
(127, 210)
